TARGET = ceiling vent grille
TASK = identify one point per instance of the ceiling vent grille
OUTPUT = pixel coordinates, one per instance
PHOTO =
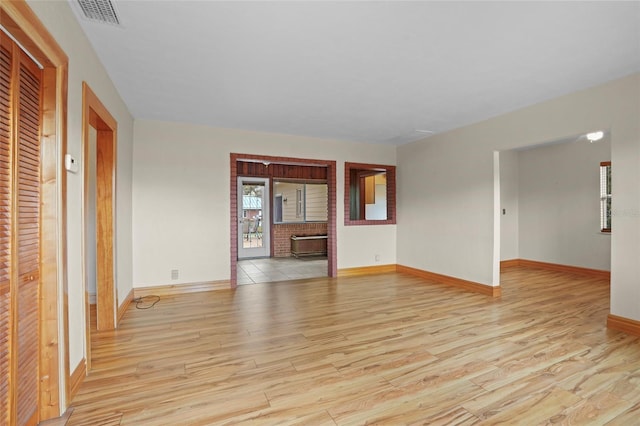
(100, 10)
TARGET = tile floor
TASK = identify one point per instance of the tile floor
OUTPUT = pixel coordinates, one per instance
(264, 270)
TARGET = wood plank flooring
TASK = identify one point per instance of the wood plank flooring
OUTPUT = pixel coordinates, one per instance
(386, 349)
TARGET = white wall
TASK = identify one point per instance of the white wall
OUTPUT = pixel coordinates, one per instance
(509, 202)
(445, 182)
(181, 198)
(560, 204)
(84, 65)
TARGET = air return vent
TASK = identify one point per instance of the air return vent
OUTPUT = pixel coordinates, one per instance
(100, 11)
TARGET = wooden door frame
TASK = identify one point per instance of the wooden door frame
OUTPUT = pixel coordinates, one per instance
(25, 27)
(332, 245)
(96, 115)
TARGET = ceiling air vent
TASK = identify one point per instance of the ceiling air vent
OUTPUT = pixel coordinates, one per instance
(100, 10)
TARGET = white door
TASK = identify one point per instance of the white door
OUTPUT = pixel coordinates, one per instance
(253, 217)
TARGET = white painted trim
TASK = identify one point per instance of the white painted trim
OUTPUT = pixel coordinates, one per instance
(496, 218)
(265, 250)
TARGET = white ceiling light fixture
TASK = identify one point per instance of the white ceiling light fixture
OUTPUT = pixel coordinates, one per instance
(100, 11)
(595, 136)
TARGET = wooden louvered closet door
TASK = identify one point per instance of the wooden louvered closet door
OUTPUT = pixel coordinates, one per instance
(20, 117)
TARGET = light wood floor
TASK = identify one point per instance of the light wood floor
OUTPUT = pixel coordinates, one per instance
(386, 349)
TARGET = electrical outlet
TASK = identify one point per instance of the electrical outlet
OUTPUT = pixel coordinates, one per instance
(175, 274)
(377, 258)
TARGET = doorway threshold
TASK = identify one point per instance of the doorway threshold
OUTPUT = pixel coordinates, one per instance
(264, 270)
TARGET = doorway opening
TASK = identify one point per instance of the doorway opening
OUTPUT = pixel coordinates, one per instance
(549, 209)
(267, 167)
(99, 156)
(273, 269)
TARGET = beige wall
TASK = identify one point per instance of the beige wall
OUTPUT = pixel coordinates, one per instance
(85, 66)
(446, 194)
(181, 198)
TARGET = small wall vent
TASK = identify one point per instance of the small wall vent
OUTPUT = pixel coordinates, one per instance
(100, 11)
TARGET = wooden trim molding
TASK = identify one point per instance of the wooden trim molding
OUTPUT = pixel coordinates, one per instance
(77, 377)
(623, 324)
(493, 291)
(593, 273)
(174, 289)
(366, 270)
(26, 27)
(511, 263)
(125, 305)
(95, 114)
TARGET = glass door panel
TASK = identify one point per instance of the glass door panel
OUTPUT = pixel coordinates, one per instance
(253, 220)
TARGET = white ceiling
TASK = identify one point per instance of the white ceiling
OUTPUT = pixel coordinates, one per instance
(362, 71)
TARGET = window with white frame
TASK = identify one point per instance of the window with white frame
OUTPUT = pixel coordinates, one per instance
(605, 196)
(299, 202)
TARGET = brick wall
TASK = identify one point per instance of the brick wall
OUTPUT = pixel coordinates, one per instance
(281, 235)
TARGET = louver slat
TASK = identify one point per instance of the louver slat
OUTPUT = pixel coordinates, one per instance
(28, 238)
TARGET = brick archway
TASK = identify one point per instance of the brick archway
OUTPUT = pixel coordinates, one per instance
(233, 216)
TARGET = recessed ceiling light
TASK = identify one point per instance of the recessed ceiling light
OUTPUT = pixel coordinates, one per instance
(595, 136)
